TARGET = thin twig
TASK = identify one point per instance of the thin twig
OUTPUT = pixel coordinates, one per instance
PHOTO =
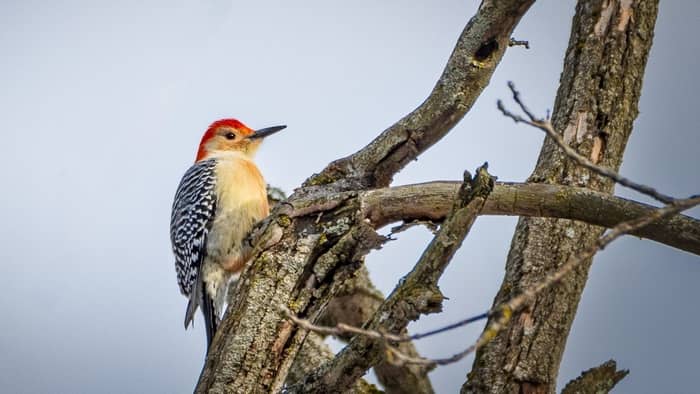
(339, 329)
(450, 326)
(396, 356)
(546, 126)
(514, 43)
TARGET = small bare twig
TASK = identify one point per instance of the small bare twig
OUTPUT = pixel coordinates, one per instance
(514, 43)
(395, 356)
(449, 327)
(546, 126)
(340, 329)
(502, 313)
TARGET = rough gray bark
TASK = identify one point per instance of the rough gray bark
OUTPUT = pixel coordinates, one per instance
(595, 107)
(315, 352)
(354, 304)
(417, 293)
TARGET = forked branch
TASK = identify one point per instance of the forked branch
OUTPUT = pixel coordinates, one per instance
(417, 293)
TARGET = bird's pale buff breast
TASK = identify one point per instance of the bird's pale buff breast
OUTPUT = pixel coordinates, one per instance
(241, 202)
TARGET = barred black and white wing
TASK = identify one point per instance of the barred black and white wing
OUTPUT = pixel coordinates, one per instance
(192, 215)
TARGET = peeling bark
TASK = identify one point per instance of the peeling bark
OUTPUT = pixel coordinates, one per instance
(597, 98)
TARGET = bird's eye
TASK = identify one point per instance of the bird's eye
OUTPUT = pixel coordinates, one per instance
(230, 136)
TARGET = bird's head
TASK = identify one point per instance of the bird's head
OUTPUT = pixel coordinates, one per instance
(233, 136)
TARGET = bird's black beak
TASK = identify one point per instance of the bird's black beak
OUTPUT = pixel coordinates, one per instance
(262, 133)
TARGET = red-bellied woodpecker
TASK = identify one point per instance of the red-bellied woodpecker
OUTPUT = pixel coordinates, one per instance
(218, 201)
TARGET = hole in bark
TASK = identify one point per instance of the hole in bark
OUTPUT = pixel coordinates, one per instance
(486, 49)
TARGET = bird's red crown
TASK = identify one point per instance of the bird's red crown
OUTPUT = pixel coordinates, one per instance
(212, 130)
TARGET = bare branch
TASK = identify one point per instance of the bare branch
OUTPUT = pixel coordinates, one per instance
(513, 43)
(341, 329)
(673, 208)
(546, 126)
(415, 295)
(478, 51)
(431, 201)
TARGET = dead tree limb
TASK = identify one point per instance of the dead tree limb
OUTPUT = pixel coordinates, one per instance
(431, 201)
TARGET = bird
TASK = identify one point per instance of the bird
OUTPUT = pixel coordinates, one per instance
(218, 201)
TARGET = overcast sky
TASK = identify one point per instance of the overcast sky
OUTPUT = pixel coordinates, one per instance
(102, 108)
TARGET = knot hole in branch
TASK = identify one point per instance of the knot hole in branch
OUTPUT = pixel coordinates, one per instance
(486, 49)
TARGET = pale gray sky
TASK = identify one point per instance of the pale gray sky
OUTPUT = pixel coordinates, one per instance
(103, 105)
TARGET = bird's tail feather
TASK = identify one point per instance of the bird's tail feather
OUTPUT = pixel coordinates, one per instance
(211, 320)
(195, 298)
(199, 298)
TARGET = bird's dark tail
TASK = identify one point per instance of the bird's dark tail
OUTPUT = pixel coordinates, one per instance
(200, 299)
(211, 320)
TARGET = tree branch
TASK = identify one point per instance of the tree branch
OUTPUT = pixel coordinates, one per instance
(478, 51)
(417, 293)
(431, 201)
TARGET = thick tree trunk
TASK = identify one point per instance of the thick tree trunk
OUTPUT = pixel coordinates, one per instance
(595, 108)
